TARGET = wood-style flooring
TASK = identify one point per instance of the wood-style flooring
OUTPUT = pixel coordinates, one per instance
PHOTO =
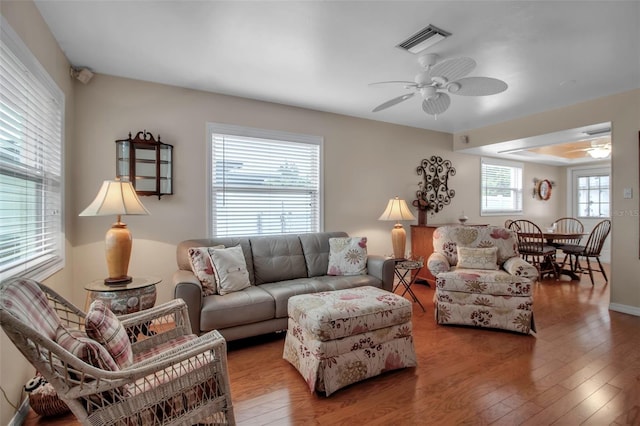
(583, 367)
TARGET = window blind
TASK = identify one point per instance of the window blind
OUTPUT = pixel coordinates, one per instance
(31, 117)
(264, 186)
(501, 187)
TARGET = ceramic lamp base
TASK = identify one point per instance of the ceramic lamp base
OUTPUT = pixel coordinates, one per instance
(398, 240)
(118, 251)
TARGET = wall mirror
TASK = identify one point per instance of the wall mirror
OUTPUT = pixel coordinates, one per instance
(145, 162)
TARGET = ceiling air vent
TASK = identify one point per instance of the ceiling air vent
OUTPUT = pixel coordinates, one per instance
(423, 39)
(598, 131)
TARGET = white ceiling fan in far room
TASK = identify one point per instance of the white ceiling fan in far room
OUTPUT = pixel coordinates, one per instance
(438, 80)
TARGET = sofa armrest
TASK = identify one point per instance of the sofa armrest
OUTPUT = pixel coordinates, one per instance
(382, 268)
(188, 288)
(520, 267)
(437, 263)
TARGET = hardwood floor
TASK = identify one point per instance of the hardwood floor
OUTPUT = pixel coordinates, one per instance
(583, 367)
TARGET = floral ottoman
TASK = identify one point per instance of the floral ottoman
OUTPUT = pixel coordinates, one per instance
(337, 338)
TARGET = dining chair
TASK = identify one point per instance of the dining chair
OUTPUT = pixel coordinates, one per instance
(533, 247)
(568, 225)
(591, 249)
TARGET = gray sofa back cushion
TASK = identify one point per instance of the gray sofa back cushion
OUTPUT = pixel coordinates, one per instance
(182, 251)
(315, 247)
(277, 258)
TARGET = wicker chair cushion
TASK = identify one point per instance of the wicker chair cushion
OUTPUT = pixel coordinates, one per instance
(103, 326)
(29, 304)
(85, 348)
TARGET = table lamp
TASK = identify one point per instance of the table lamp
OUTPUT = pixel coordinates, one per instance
(397, 210)
(119, 198)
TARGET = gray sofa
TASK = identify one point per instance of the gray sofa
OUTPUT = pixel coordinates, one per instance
(279, 267)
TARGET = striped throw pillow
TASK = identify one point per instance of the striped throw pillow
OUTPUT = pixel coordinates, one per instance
(103, 326)
(85, 348)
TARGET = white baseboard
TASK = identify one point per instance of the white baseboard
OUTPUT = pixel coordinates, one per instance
(625, 309)
(21, 414)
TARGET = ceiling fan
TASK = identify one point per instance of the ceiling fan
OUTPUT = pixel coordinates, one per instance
(441, 78)
(600, 148)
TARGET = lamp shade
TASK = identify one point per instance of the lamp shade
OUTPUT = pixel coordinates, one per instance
(115, 198)
(397, 210)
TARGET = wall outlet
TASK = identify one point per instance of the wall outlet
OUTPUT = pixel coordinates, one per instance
(627, 193)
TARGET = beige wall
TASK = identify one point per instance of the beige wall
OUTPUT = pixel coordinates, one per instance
(366, 163)
(623, 110)
(26, 21)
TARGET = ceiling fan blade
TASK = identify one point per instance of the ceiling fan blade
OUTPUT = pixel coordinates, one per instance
(453, 69)
(478, 86)
(394, 101)
(406, 83)
(437, 105)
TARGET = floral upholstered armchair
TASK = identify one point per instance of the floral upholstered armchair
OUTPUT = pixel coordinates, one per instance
(480, 278)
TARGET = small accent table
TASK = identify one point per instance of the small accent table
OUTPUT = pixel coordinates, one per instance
(138, 295)
(407, 273)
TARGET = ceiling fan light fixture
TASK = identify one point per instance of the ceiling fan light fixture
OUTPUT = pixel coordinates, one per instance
(599, 153)
(429, 92)
(453, 87)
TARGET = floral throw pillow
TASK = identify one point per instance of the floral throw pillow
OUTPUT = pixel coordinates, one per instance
(347, 256)
(478, 258)
(104, 327)
(203, 270)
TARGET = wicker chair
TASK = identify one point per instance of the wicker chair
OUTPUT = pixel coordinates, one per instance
(534, 248)
(592, 248)
(175, 377)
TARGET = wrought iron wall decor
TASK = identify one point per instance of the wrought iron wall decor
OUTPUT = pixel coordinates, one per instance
(434, 192)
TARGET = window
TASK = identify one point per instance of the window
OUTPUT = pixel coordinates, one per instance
(263, 182)
(31, 117)
(501, 187)
(593, 195)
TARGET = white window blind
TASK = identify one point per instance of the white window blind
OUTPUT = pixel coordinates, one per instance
(264, 182)
(31, 117)
(501, 187)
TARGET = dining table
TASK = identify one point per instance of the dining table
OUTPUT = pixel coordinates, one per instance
(551, 237)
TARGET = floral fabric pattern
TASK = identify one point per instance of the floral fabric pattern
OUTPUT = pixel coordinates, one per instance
(371, 345)
(493, 298)
(347, 256)
(200, 260)
(334, 314)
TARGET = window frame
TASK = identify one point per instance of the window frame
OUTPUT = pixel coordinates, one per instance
(44, 264)
(276, 135)
(520, 191)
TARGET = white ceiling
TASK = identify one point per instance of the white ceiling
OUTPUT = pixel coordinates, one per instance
(322, 54)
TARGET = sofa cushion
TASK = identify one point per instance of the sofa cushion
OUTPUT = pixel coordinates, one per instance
(230, 269)
(247, 306)
(277, 258)
(484, 281)
(315, 247)
(283, 290)
(347, 256)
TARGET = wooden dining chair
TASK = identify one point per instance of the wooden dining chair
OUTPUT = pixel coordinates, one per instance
(534, 248)
(568, 225)
(591, 249)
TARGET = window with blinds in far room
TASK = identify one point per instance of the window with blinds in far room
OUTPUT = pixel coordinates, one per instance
(264, 182)
(500, 187)
(31, 184)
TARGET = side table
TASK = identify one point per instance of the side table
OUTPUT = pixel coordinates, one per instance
(407, 272)
(138, 295)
